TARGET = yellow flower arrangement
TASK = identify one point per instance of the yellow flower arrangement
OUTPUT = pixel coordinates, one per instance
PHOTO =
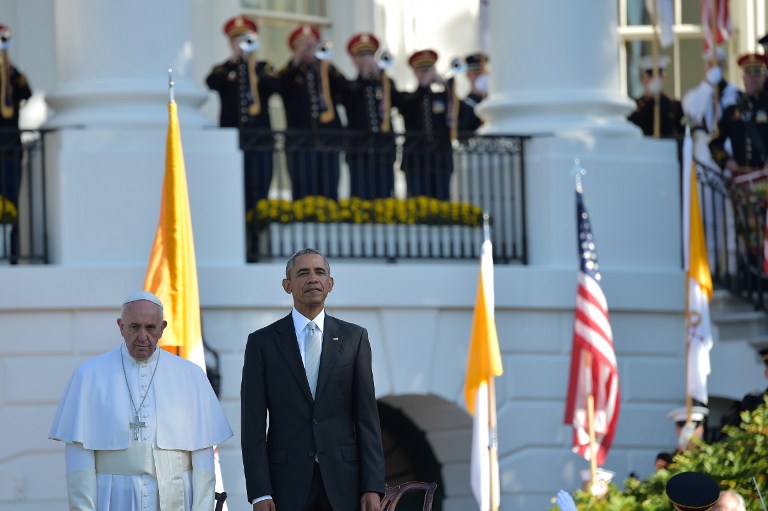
(8, 213)
(414, 210)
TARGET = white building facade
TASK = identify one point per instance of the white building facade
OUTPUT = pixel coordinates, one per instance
(98, 69)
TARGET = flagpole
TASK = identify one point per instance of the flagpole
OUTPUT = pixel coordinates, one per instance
(714, 62)
(492, 447)
(655, 57)
(590, 418)
(493, 482)
(687, 285)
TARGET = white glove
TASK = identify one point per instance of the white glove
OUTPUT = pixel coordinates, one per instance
(714, 75)
(481, 84)
(685, 435)
(654, 86)
(565, 501)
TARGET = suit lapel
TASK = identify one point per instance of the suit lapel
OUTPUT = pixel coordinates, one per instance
(288, 345)
(332, 345)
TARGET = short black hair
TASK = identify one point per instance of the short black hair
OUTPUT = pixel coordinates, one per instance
(664, 456)
(304, 251)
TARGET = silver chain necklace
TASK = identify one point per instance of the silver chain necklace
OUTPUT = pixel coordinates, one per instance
(137, 424)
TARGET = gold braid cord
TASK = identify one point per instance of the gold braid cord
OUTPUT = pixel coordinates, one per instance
(253, 80)
(385, 125)
(329, 114)
(6, 93)
(454, 113)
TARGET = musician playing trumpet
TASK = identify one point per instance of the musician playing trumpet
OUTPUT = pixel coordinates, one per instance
(14, 90)
(244, 85)
(311, 88)
(369, 100)
(429, 113)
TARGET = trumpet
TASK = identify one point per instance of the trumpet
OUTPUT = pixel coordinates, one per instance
(5, 38)
(384, 60)
(324, 50)
(249, 43)
(458, 66)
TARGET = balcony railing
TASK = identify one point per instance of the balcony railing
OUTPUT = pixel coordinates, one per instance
(23, 225)
(734, 228)
(487, 176)
(352, 195)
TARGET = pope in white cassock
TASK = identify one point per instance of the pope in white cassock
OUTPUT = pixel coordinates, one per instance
(140, 423)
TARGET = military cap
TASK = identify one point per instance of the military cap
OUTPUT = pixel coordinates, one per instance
(239, 25)
(476, 61)
(692, 491)
(752, 61)
(679, 415)
(300, 32)
(646, 63)
(423, 59)
(363, 42)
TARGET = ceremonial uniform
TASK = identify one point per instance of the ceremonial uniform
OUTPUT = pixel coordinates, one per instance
(125, 453)
(244, 85)
(670, 110)
(478, 77)
(745, 126)
(14, 89)
(310, 93)
(427, 152)
(369, 101)
(670, 115)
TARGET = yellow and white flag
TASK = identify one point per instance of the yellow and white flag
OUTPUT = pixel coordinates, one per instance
(483, 365)
(699, 282)
(172, 270)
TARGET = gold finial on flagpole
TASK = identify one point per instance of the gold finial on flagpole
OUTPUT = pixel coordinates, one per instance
(171, 97)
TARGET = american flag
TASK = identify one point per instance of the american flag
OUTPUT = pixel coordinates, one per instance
(715, 13)
(593, 361)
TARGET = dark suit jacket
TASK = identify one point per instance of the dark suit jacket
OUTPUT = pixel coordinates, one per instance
(341, 427)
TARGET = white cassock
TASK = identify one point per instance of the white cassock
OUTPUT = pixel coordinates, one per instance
(170, 466)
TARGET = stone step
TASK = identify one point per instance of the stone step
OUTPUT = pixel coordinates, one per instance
(744, 326)
(723, 301)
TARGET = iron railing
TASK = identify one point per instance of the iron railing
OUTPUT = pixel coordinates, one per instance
(23, 218)
(372, 211)
(734, 229)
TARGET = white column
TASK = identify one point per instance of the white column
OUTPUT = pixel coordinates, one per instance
(112, 63)
(555, 68)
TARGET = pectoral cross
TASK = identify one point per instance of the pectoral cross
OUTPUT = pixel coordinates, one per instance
(135, 427)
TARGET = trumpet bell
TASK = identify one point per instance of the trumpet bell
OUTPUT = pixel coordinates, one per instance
(5, 38)
(249, 43)
(385, 60)
(324, 50)
(458, 65)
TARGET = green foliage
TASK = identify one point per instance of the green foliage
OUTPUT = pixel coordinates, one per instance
(733, 462)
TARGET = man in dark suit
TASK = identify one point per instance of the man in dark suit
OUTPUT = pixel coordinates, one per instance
(323, 448)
